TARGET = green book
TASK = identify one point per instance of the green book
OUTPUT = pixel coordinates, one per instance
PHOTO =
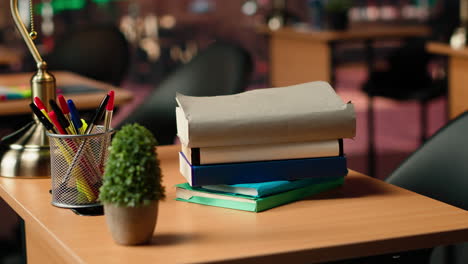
(186, 193)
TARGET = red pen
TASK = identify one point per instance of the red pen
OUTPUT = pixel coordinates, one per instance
(66, 112)
(39, 103)
(109, 111)
(41, 107)
(55, 121)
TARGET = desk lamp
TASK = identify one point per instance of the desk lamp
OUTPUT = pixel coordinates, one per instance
(458, 38)
(25, 153)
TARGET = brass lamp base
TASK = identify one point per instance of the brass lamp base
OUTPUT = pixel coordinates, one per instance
(24, 155)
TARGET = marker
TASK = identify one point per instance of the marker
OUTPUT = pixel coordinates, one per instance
(41, 107)
(66, 113)
(54, 119)
(95, 120)
(45, 121)
(98, 116)
(75, 117)
(109, 111)
(39, 103)
(60, 117)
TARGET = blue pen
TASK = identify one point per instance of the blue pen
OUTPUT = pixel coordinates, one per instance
(75, 117)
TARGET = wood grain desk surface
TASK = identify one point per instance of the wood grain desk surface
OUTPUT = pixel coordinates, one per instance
(365, 217)
(446, 49)
(84, 101)
(361, 32)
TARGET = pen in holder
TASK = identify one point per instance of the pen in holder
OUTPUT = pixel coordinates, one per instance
(77, 166)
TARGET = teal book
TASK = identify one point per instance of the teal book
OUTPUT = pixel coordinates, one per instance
(262, 189)
(186, 193)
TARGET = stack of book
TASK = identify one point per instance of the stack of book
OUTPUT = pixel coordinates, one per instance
(262, 148)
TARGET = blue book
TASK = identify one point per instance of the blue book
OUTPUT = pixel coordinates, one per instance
(262, 189)
(262, 171)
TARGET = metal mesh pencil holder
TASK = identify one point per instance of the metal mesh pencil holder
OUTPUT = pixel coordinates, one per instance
(77, 166)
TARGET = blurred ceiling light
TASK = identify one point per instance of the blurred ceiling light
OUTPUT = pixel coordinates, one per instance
(151, 26)
(373, 13)
(250, 7)
(388, 12)
(275, 23)
(128, 28)
(152, 48)
(458, 39)
(167, 21)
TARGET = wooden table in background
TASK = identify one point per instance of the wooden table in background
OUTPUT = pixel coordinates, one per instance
(457, 76)
(84, 101)
(300, 55)
(9, 56)
(364, 217)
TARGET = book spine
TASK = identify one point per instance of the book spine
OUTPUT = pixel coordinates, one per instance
(263, 171)
(263, 152)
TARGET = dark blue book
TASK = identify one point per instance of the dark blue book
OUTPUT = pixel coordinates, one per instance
(263, 171)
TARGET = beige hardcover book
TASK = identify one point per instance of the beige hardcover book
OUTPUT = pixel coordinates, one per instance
(300, 113)
(263, 152)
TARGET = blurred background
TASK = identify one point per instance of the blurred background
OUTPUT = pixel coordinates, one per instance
(162, 37)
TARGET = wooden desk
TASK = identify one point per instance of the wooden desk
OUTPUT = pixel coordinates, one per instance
(85, 101)
(298, 56)
(9, 56)
(457, 76)
(365, 217)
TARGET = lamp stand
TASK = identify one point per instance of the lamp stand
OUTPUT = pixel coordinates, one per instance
(26, 153)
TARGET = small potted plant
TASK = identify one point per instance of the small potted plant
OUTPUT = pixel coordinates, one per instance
(132, 186)
(337, 13)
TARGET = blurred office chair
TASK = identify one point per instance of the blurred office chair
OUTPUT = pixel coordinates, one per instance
(100, 52)
(220, 69)
(406, 79)
(438, 169)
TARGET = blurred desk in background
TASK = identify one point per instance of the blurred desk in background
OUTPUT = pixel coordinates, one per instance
(87, 99)
(457, 76)
(9, 56)
(303, 55)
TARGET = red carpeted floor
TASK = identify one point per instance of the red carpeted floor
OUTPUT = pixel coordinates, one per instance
(397, 123)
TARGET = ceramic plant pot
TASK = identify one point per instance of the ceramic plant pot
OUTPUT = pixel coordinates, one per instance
(131, 225)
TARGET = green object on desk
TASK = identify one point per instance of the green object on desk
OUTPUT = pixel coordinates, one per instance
(203, 196)
(14, 92)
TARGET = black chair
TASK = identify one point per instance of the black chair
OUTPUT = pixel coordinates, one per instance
(220, 69)
(439, 169)
(100, 52)
(407, 79)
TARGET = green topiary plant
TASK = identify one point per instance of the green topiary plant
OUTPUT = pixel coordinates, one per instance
(132, 175)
